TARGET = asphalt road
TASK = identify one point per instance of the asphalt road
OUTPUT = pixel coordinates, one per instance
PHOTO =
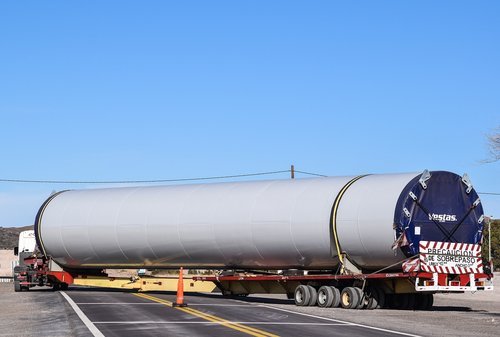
(42, 312)
(151, 314)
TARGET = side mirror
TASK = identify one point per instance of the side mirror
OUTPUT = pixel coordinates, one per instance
(16, 251)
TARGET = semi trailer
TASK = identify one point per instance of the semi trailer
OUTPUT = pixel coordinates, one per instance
(369, 241)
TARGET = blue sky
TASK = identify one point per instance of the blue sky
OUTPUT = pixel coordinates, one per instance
(120, 90)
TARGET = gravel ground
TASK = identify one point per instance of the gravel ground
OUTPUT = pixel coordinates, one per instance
(38, 312)
(42, 312)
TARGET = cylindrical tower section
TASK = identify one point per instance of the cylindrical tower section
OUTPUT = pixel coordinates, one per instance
(263, 224)
(365, 220)
(275, 224)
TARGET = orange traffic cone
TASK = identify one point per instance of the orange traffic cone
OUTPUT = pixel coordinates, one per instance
(179, 301)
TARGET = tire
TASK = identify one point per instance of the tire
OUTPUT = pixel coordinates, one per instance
(402, 301)
(325, 297)
(390, 301)
(372, 296)
(336, 297)
(411, 302)
(430, 302)
(362, 298)
(64, 286)
(423, 301)
(17, 286)
(349, 298)
(380, 297)
(56, 286)
(419, 299)
(314, 296)
(302, 296)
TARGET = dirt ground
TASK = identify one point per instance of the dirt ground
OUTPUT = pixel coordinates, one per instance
(38, 312)
(7, 258)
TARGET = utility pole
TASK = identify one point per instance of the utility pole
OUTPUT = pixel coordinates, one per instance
(292, 172)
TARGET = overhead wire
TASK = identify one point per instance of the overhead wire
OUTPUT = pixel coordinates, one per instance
(41, 181)
(311, 174)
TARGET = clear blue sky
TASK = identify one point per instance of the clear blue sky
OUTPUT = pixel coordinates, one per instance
(118, 90)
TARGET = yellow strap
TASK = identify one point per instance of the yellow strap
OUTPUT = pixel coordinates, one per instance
(334, 215)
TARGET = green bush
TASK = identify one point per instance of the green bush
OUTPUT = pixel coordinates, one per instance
(495, 243)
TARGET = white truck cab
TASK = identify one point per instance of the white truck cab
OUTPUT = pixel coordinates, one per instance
(27, 242)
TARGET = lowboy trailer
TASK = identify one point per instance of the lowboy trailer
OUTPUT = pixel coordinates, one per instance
(412, 290)
(364, 241)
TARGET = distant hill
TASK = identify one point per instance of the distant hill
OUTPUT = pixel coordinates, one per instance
(9, 236)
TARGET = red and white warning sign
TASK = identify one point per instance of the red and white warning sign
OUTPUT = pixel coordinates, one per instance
(450, 257)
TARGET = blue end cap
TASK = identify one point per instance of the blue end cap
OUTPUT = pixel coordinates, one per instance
(443, 212)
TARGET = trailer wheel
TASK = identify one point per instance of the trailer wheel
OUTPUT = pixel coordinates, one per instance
(56, 286)
(402, 301)
(362, 298)
(336, 297)
(411, 302)
(424, 301)
(17, 286)
(314, 296)
(430, 302)
(302, 295)
(372, 296)
(325, 297)
(349, 298)
(420, 300)
(381, 296)
(64, 286)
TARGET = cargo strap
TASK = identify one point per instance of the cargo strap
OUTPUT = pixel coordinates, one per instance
(441, 228)
(333, 219)
(454, 229)
(468, 184)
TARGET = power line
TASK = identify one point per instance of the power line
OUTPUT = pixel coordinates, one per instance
(311, 174)
(139, 181)
(39, 181)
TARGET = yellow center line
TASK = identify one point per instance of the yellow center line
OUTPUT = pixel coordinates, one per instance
(236, 326)
(226, 323)
(258, 331)
(156, 299)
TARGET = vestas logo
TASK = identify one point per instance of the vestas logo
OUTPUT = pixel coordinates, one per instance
(443, 217)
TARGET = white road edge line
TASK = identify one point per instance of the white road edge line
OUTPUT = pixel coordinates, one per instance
(340, 321)
(217, 323)
(92, 328)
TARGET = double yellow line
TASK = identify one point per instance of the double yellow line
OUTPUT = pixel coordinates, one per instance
(211, 318)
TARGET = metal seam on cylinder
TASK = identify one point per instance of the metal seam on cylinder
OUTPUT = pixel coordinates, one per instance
(336, 204)
(38, 219)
